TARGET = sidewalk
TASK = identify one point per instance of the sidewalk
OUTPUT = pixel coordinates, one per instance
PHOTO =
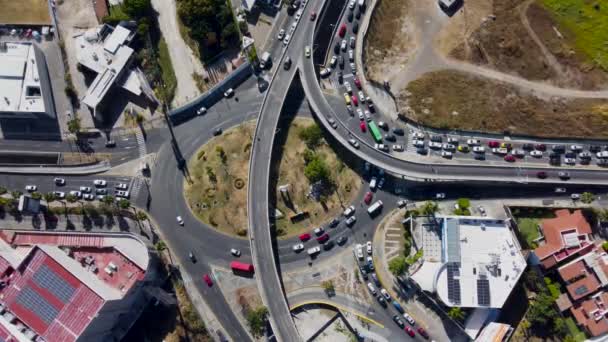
(424, 316)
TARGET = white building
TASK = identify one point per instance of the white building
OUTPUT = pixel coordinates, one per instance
(104, 51)
(477, 262)
(25, 88)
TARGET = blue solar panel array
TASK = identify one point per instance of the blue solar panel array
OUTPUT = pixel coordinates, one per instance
(483, 292)
(32, 301)
(453, 284)
(49, 280)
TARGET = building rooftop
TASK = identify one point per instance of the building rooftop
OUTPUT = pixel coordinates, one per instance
(20, 85)
(473, 272)
(55, 284)
(565, 235)
(591, 314)
(104, 51)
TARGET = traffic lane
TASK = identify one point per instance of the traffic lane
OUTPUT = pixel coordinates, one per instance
(47, 183)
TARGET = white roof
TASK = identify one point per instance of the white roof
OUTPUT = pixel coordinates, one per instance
(20, 88)
(487, 256)
(116, 39)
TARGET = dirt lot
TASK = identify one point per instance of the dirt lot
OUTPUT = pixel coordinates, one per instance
(218, 194)
(292, 172)
(513, 42)
(448, 99)
(25, 12)
(389, 40)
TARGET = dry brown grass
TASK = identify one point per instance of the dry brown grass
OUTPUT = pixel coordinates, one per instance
(484, 105)
(389, 39)
(24, 12)
(222, 203)
(72, 158)
(292, 172)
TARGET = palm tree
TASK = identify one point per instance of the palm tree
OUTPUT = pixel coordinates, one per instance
(141, 216)
(49, 197)
(456, 313)
(71, 198)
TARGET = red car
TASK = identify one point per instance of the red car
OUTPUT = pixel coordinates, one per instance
(540, 147)
(342, 30)
(357, 83)
(355, 100)
(313, 16)
(410, 331)
(423, 333)
(362, 126)
(509, 158)
(368, 197)
(493, 144)
(208, 280)
(304, 237)
(541, 174)
(323, 238)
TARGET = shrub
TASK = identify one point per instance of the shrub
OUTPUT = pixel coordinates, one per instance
(311, 135)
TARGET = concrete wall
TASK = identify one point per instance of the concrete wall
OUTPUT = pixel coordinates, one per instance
(212, 96)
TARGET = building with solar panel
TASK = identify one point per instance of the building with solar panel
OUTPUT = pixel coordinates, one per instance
(70, 286)
(473, 262)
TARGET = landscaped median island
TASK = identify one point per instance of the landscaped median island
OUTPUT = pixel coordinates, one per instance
(217, 193)
(455, 100)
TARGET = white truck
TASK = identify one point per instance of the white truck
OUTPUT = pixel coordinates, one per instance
(361, 3)
(374, 208)
(265, 60)
(314, 250)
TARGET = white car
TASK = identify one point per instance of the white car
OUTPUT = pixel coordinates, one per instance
(85, 189)
(319, 231)
(371, 288)
(479, 149)
(313, 251)
(473, 142)
(353, 68)
(351, 55)
(418, 143)
(536, 154)
(569, 161)
(100, 182)
(293, 26)
(500, 150)
(286, 40)
(59, 194)
(360, 114)
(398, 148)
(343, 45)
(440, 195)
(31, 188)
(201, 111)
(354, 143)
(351, 4)
(122, 186)
(59, 181)
(409, 319)
(372, 183)
(560, 190)
(449, 147)
(325, 72)
(381, 147)
(350, 221)
(576, 148)
(349, 89)
(281, 34)
(447, 154)
(453, 140)
(235, 252)
(229, 92)
(519, 152)
(361, 97)
(180, 220)
(435, 145)
(370, 263)
(368, 247)
(385, 294)
(359, 251)
(349, 211)
(298, 15)
(88, 197)
(122, 193)
(333, 61)
(418, 135)
(78, 194)
(401, 203)
(368, 116)
(603, 154)
(298, 247)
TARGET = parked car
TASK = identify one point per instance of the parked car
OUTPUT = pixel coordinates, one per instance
(410, 331)
(354, 142)
(341, 240)
(31, 188)
(122, 193)
(230, 92)
(59, 181)
(563, 175)
(298, 247)
(398, 321)
(368, 197)
(329, 244)
(208, 280)
(59, 194)
(304, 237)
(349, 211)
(350, 221)
(85, 189)
(88, 197)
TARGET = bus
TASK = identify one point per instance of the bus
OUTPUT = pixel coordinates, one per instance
(374, 208)
(373, 129)
(241, 267)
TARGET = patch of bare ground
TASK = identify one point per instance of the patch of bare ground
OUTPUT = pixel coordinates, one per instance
(455, 100)
(580, 72)
(461, 25)
(390, 39)
(503, 43)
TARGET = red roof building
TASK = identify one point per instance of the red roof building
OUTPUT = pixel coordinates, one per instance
(586, 278)
(566, 235)
(68, 287)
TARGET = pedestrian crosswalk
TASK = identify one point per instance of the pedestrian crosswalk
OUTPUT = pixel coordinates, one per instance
(141, 143)
(136, 183)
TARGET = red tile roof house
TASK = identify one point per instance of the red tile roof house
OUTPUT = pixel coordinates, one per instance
(566, 236)
(586, 278)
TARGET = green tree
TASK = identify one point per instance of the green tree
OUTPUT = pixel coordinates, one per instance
(74, 124)
(36, 195)
(309, 156)
(456, 313)
(587, 197)
(221, 153)
(257, 320)
(542, 311)
(160, 246)
(16, 194)
(397, 266)
(4, 201)
(108, 200)
(137, 8)
(124, 203)
(429, 208)
(464, 203)
(2, 190)
(71, 198)
(141, 216)
(49, 197)
(317, 170)
(311, 135)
